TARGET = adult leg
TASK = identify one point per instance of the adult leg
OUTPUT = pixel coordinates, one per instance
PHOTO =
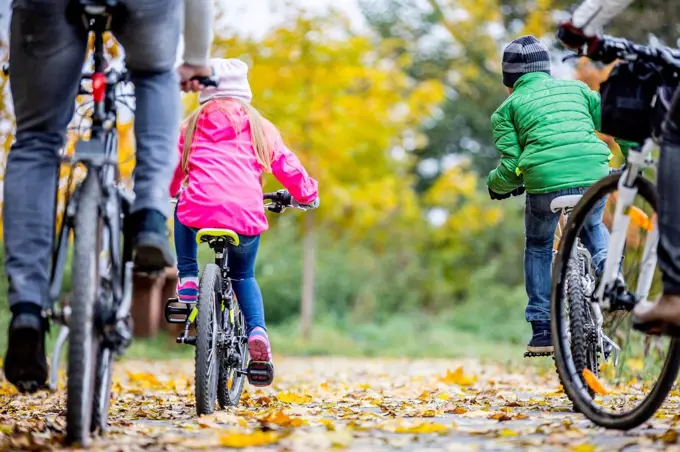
(46, 57)
(667, 310)
(150, 36)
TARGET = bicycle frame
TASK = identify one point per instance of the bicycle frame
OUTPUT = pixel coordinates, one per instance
(638, 160)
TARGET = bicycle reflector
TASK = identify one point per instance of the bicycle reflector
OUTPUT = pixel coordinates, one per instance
(98, 86)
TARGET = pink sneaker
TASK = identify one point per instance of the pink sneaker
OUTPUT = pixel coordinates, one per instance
(258, 345)
(187, 292)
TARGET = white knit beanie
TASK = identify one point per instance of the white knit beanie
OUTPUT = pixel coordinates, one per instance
(233, 81)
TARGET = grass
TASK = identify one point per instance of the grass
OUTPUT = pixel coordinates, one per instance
(401, 336)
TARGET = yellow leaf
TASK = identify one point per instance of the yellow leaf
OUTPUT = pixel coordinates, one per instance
(289, 397)
(239, 439)
(594, 383)
(583, 448)
(506, 432)
(457, 377)
(282, 419)
(423, 427)
(443, 396)
(670, 436)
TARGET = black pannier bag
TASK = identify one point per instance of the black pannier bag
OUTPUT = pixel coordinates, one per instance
(627, 99)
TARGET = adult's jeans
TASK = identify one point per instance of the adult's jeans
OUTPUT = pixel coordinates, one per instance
(669, 201)
(241, 270)
(46, 58)
(540, 224)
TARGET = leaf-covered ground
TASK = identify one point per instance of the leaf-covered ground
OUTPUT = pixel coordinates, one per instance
(325, 403)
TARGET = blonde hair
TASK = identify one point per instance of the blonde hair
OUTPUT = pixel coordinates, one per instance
(260, 131)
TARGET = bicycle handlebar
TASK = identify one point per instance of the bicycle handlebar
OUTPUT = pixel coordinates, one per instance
(610, 49)
(206, 81)
(281, 200)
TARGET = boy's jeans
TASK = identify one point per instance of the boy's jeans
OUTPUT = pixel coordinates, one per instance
(540, 224)
(241, 270)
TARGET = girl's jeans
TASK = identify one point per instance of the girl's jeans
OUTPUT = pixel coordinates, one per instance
(540, 224)
(241, 270)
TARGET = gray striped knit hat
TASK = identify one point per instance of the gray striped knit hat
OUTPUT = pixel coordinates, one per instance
(524, 55)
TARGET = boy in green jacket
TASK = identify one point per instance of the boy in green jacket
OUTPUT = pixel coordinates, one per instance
(546, 134)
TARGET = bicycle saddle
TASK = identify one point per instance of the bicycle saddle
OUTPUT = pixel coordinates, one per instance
(564, 202)
(209, 234)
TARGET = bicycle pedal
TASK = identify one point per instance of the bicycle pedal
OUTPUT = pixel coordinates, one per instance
(260, 373)
(176, 311)
(538, 354)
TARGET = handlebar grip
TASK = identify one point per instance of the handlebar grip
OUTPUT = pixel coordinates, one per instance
(205, 81)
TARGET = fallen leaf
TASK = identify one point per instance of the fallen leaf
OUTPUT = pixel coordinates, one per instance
(457, 377)
(289, 397)
(239, 439)
(423, 427)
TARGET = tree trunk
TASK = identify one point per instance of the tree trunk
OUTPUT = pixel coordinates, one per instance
(308, 274)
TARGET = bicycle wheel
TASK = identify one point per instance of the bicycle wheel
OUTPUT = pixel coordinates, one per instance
(636, 371)
(581, 325)
(83, 341)
(230, 385)
(207, 332)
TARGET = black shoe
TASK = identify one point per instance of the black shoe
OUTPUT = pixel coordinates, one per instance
(541, 340)
(25, 363)
(152, 253)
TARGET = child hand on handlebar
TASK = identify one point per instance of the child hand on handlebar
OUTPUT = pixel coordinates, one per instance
(225, 148)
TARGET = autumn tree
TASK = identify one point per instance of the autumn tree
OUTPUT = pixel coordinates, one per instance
(347, 110)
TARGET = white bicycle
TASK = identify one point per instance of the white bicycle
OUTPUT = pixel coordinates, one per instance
(617, 377)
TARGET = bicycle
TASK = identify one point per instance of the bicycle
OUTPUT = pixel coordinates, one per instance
(96, 320)
(222, 359)
(583, 306)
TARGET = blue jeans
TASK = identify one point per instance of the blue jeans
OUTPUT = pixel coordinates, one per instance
(540, 224)
(241, 270)
(46, 59)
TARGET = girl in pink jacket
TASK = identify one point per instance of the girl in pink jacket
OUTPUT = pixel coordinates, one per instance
(225, 147)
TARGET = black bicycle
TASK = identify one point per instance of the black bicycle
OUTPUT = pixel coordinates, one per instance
(615, 376)
(222, 359)
(96, 318)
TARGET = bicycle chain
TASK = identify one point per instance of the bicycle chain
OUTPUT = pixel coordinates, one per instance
(537, 354)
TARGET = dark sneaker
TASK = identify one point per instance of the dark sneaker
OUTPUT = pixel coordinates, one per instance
(25, 363)
(152, 251)
(541, 340)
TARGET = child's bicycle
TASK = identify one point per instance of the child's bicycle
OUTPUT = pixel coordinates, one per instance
(222, 359)
(619, 390)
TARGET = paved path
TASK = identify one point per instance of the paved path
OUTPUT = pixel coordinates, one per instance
(324, 403)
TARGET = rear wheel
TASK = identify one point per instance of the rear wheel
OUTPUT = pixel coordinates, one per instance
(207, 332)
(83, 339)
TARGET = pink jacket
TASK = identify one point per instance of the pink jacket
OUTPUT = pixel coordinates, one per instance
(224, 189)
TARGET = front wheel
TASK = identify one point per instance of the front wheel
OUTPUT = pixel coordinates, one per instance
(636, 372)
(207, 335)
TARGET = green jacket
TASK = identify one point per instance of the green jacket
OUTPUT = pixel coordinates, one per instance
(545, 132)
